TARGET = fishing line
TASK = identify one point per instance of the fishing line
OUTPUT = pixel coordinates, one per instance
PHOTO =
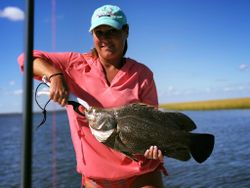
(44, 111)
(54, 134)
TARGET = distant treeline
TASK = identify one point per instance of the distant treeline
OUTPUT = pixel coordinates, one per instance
(240, 103)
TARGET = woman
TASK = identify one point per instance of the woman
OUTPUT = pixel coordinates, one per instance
(103, 78)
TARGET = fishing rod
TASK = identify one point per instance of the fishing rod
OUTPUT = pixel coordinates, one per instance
(26, 168)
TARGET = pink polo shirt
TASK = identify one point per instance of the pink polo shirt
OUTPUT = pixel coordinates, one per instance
(86, 79)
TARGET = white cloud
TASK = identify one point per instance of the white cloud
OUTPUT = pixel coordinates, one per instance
(12, 82)
(12, 13)
(243, 67)
(233, 90)
(18, 92)
(170, 88)
(228, 88)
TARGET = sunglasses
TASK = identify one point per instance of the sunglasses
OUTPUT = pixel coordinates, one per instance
(108, 33)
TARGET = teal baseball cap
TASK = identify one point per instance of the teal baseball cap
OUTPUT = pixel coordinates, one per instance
(108, 15)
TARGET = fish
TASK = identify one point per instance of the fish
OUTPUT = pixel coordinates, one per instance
(131, 129)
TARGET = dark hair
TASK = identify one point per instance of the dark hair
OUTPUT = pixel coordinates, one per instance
(94, 51)
(126, 42)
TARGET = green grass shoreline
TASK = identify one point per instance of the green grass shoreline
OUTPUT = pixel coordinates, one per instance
(223, 104)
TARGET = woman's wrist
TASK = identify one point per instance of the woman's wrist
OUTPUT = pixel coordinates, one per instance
(54, 75)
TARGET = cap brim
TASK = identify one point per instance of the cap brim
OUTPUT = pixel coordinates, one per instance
(106, 21)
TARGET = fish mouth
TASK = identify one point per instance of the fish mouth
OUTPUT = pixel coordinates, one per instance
(93, 125)
(100, 126)
(101, 136)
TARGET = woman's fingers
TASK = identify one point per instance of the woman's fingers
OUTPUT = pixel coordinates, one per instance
(146, 154)
(154, 153)
(64, 101)
(60, 97)
(59, 91)
(160, 156)
(149, 153)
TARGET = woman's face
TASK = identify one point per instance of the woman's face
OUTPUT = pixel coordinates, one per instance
(109, 42)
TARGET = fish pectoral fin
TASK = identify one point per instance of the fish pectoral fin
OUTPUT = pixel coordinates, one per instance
(115, 143)
(133, 157)
(179, 153)
(180, 121)
(121, 147)
(145, 105)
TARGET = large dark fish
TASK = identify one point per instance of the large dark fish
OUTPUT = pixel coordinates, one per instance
(133, 128)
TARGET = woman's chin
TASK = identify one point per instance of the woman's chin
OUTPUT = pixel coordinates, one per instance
(109, 55)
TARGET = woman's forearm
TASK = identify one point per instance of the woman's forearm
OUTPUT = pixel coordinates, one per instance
(41, 67)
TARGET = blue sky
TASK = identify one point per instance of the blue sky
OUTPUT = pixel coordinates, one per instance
(197, 49)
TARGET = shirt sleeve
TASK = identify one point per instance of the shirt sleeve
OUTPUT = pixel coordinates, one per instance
(60, 60)
(148, 91)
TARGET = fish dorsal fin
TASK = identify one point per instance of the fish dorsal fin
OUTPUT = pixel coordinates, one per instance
(142, 111)
(139, 111)
(134, 108)
(144, 105)
(182, 121)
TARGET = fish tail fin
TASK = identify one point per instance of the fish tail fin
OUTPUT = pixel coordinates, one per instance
(201, 146)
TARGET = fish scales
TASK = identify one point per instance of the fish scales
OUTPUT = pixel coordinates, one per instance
(138, 118)
(133, 128)
(175, 120)
(138, 134)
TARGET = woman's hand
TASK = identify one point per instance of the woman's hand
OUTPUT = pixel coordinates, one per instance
(154, 153)
(58, 87)
(59, 90)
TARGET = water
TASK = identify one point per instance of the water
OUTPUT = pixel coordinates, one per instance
(229, 165)
(54, 160)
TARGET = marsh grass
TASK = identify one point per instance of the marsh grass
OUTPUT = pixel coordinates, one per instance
(239, 103)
